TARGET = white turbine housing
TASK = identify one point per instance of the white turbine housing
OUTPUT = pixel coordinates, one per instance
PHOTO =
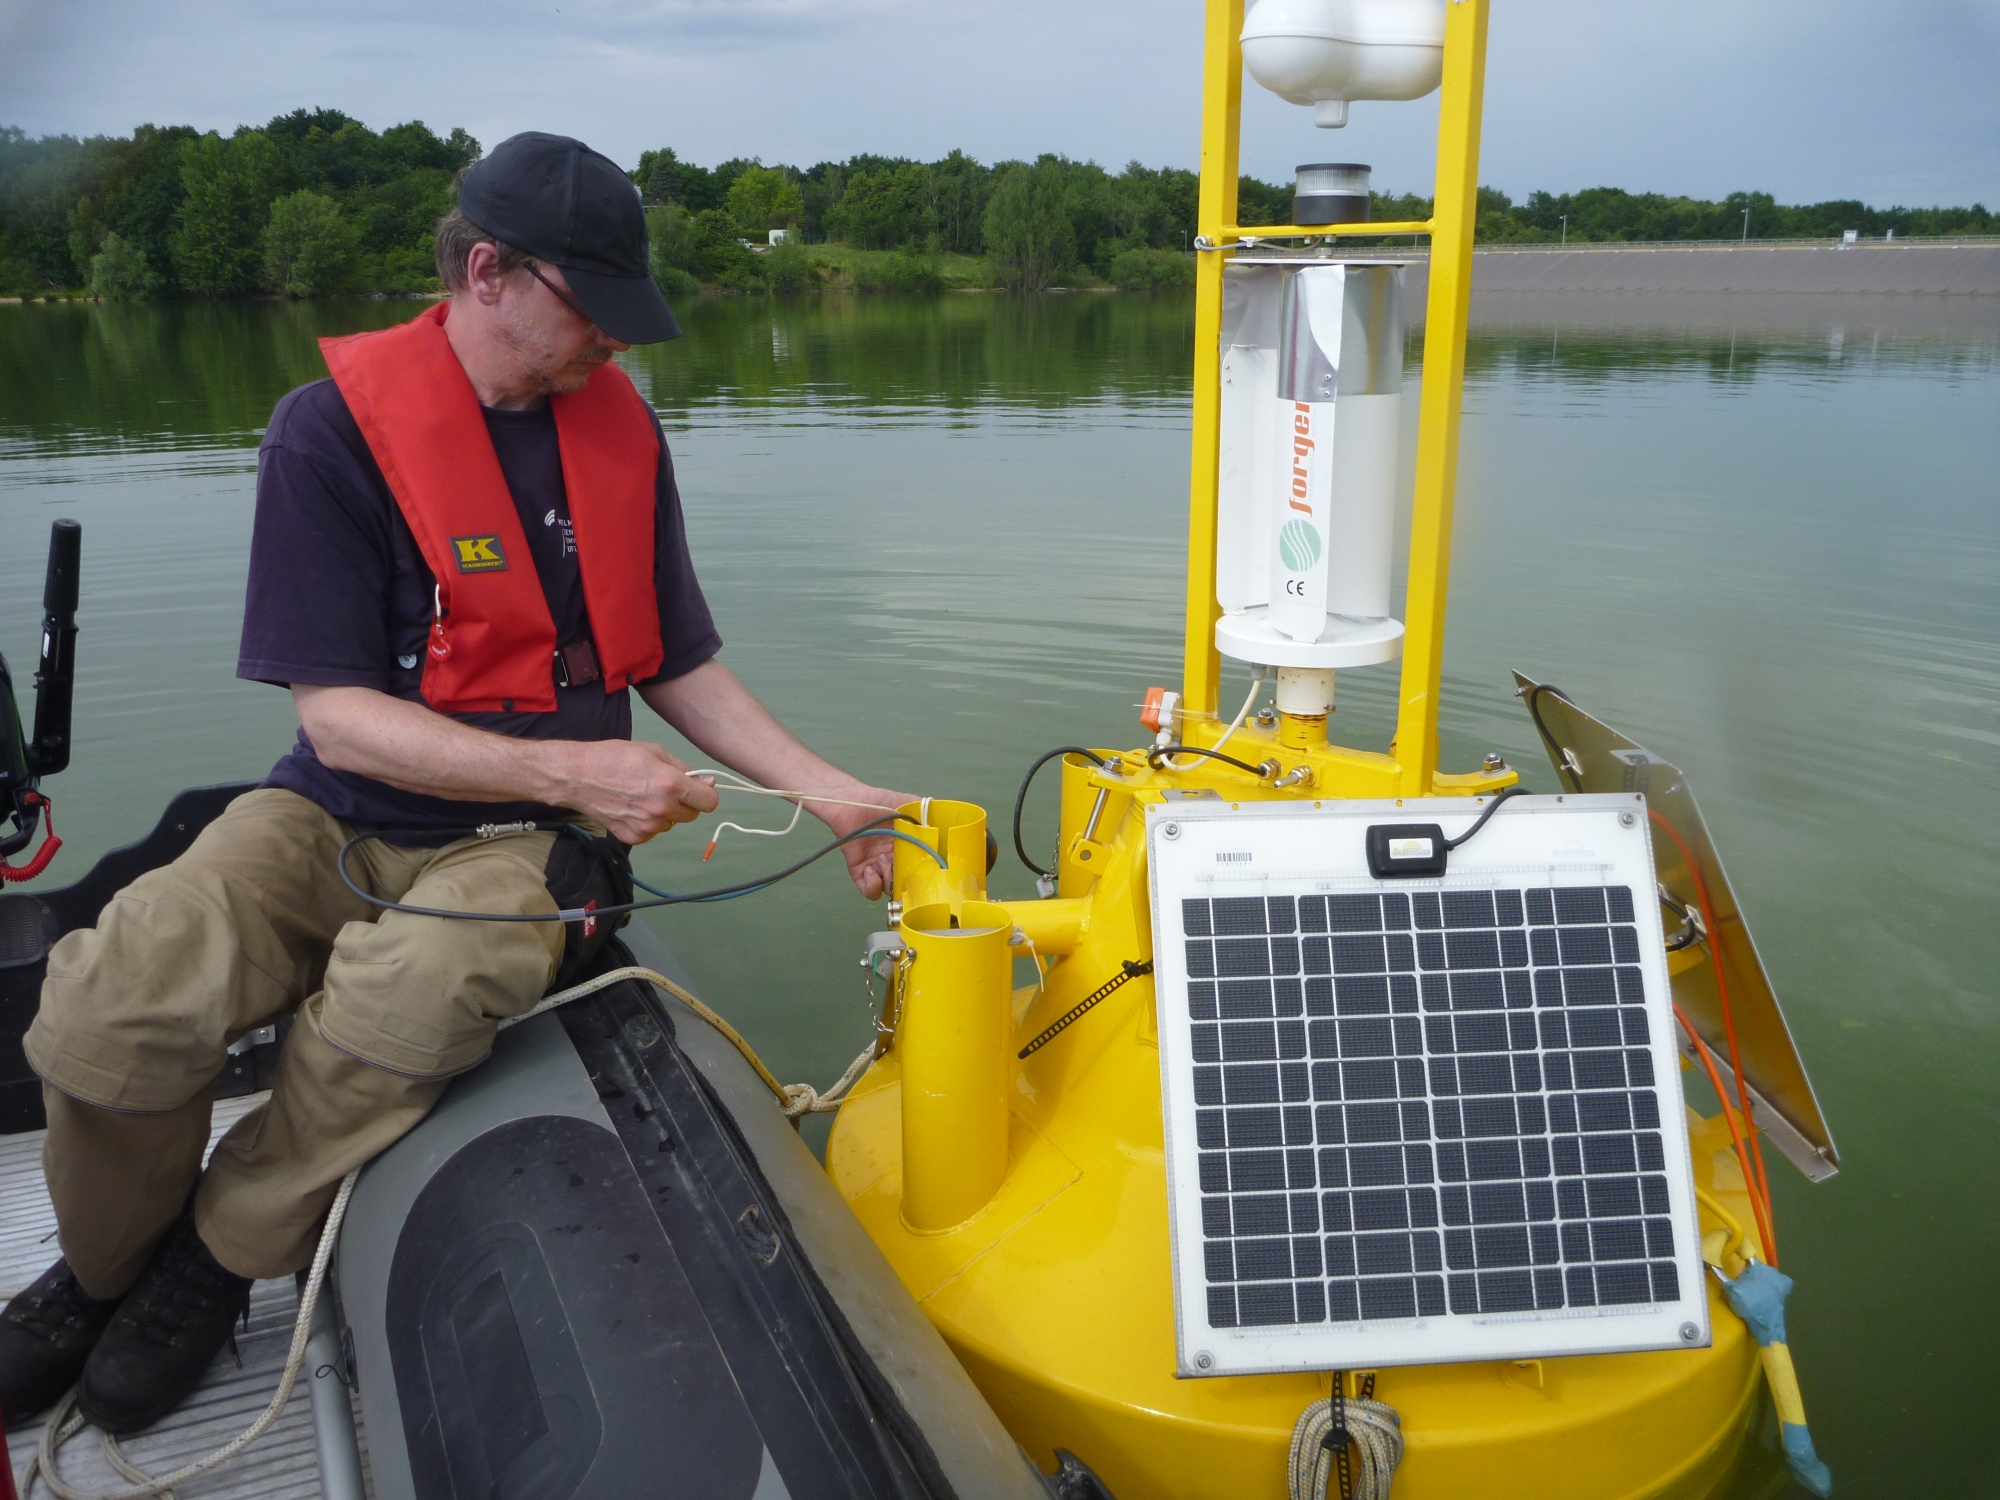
(1306, 495)
(1327, 53)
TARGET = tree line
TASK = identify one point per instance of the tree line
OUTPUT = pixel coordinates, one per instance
(314, 203)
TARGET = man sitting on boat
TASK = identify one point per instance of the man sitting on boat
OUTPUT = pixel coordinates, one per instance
(468, 550)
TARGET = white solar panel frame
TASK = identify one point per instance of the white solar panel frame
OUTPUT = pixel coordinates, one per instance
(1301, 848)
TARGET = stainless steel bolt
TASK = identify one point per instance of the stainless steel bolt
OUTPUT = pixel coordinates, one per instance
(1628, 820)
(1203, 1360)
(1689, 1333)
(1494, 763)
(1170, 830)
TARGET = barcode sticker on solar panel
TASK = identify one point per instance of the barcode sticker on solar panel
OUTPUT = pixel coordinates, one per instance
(1420, 1121)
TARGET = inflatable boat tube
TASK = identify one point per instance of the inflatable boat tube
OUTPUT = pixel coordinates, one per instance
(606, 1267)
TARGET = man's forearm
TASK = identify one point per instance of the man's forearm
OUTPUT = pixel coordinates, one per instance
(634, 790)
(714, 710)
(418, 750)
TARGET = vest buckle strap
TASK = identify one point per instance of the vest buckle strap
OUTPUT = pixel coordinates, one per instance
(576, 665)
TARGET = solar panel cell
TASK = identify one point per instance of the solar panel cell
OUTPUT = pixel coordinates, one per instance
(1312, 1302)
(1266, 1305)
(1623, 1284)
(1467, 908)
(1506, 1291)
(1232, 914)
(1389, 1298)
(1477, 991)
(1221, 1307)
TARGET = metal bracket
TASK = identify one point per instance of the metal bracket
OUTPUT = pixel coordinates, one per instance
(257, 1038)
(883, 945)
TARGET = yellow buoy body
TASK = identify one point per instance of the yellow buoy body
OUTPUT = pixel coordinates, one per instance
(1035, 1236)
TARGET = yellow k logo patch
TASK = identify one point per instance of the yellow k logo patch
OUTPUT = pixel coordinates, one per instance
(479, 554)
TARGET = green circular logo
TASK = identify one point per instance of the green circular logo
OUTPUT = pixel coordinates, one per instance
(1298, 545)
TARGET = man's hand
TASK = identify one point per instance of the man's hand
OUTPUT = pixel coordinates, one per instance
(633, 787)
(869, 860)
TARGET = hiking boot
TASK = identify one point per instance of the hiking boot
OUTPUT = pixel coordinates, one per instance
(164, 1335)
(46, 1334)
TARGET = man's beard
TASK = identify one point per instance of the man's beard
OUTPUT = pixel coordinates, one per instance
(573, 376)
(539, 359)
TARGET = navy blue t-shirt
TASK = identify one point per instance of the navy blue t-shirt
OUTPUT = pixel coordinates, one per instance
(340, 595)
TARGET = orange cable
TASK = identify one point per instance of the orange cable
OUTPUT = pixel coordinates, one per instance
(1713, 939)
(1757, 1204)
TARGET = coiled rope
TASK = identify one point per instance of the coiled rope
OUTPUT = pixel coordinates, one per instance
(65, 1422)
(1320, 1443)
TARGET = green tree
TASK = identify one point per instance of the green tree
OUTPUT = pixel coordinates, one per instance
(959, 190)
(822, 188)
(717, 255)
(119, 272)
(308, 246)
(1143, 270)
(658, 175)
(763, 199)
(883, 209)
(1028, 232)
(671, 248)
(787, 268)
(229, 185)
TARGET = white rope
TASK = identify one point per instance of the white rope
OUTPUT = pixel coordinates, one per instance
(65, 1422)
(736, 782)
(1377, 1434)
(804, 1099)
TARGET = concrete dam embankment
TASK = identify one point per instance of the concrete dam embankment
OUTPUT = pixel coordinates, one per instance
(1870, 269)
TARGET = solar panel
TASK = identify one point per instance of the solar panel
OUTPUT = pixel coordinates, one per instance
(1417, 1121)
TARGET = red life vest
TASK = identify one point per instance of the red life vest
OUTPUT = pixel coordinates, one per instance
(493, 642)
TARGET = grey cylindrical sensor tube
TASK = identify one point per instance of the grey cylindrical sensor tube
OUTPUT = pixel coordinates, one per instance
(1331, 192)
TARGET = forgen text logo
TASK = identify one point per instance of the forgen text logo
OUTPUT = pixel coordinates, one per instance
(1299, 542)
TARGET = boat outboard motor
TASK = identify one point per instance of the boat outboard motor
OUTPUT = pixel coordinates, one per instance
(26, 926)
(23, 761)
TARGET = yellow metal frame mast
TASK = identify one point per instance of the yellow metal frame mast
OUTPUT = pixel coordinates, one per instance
(1449, 229)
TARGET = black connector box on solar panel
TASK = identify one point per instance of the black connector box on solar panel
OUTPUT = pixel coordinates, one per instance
(1404, 851)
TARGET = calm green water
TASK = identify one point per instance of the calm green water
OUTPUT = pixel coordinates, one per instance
(942, 536)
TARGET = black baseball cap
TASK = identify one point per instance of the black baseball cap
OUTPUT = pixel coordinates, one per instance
(562, 202)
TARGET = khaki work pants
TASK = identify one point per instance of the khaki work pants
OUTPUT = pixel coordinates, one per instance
(251, 924)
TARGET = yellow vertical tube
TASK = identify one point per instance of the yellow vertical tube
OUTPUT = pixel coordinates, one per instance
(1221, 103)
(957, 830)
(953, 1041)
(1444, 380)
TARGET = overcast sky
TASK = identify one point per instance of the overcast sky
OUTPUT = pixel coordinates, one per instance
(1891, 101)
